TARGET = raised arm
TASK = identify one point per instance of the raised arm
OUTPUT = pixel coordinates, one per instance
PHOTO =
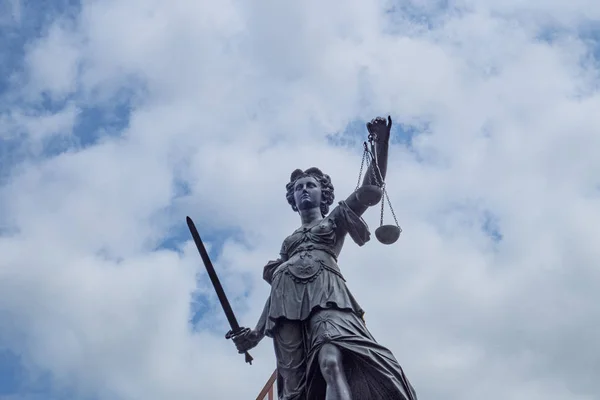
(380, 129)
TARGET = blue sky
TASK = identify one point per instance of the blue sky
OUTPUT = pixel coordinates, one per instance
(118, 119)
(34, 20)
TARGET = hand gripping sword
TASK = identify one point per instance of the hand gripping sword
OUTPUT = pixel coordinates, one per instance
(236, 330)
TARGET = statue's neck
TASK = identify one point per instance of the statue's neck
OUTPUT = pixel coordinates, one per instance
(311, 215)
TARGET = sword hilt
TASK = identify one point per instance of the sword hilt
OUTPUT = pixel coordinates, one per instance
(241, 331)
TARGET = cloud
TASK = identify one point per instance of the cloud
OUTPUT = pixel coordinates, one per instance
(490, 291)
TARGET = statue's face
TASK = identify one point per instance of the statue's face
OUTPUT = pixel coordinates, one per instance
(307, 193)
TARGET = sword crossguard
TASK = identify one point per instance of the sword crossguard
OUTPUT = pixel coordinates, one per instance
(241, 331)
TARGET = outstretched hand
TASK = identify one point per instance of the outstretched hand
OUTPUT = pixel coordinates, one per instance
(380, 128)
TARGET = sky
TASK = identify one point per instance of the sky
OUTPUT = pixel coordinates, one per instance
(119, 118)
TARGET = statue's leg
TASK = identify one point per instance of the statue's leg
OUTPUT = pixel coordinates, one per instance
(288, 340)
(330, 362)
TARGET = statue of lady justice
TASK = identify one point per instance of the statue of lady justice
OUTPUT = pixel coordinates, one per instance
(322, 346)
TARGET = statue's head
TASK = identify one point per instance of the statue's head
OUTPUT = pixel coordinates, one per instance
(309, 189)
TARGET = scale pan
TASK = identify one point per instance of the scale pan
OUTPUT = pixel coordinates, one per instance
(369, 195)
(387, 234)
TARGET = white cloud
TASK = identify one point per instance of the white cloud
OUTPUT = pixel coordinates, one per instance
(52, 62)
(230, 98)
(38, 126)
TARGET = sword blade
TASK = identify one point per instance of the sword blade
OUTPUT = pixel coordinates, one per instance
(210, 269)
(212, 274)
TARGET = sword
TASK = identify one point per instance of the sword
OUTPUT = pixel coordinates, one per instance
(235, 327)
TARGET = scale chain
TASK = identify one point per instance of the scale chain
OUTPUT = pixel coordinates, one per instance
(385, 193)
(369, 158)
(362, 164)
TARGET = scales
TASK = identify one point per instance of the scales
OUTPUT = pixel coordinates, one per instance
(370, 195)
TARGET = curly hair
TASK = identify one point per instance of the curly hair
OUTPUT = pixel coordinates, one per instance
(324, 180)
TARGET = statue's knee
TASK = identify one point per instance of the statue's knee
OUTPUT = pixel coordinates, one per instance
(330, 361)
(330, 364)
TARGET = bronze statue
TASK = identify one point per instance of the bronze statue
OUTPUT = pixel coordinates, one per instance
(322, 345)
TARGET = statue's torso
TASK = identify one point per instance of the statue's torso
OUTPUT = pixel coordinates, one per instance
(308, 276)
(312, 249)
